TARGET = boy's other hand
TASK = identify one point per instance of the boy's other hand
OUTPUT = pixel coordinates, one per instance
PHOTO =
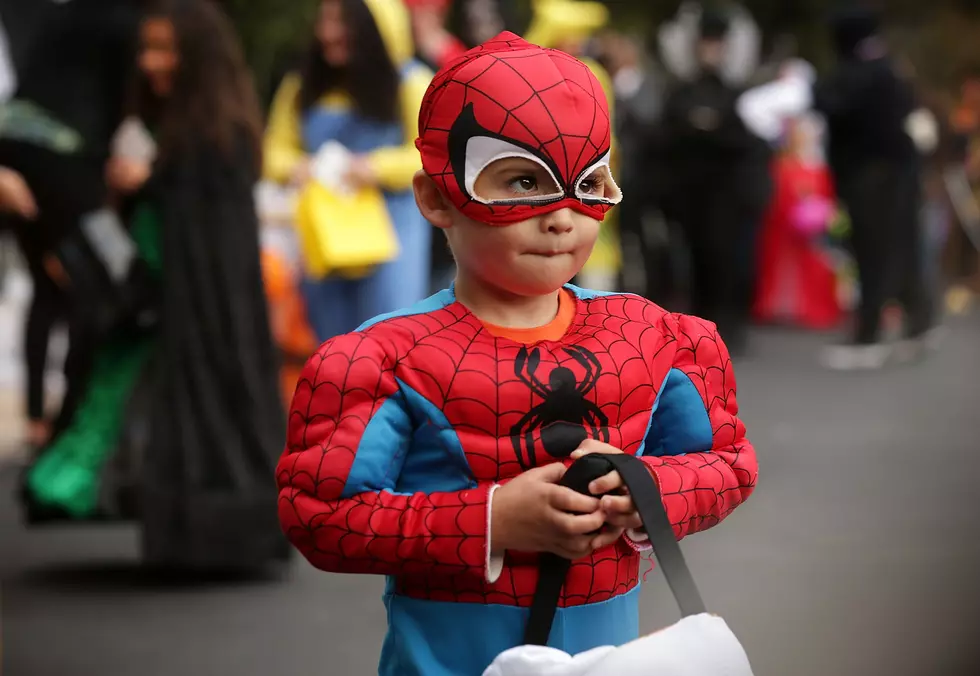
(532, 513)
(616, 503)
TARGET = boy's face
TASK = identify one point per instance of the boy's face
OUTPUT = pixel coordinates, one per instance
(532, 257)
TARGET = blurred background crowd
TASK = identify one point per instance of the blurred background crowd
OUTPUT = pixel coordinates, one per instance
(196, 193)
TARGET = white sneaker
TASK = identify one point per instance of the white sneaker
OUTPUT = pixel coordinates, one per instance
(856, 357)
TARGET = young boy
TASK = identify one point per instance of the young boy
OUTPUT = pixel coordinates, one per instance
(427, 446)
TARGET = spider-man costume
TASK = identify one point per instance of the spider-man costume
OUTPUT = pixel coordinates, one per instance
(400, 432)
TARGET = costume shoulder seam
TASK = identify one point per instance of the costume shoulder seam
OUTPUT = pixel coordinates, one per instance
(379, 328)
(681, 319)
(432, 304)
(591, 295)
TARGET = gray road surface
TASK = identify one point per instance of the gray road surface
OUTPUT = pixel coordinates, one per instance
(857, 556)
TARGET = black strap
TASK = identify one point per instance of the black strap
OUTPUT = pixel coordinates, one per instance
(649, 504)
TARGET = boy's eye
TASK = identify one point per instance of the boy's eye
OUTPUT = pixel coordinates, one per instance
(524, 184)
(592, 185)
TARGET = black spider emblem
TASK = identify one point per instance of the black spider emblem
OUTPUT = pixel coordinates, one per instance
(565, 418)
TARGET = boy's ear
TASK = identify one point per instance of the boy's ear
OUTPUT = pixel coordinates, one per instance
(435, 208)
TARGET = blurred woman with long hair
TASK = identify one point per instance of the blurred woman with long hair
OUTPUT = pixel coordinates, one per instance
(358, 88)
(214, 413)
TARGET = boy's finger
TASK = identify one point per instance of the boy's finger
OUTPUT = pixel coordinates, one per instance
(617, 505)
(551, 474)
(574, 548)
(564, 499)
(604, 484)
(594, 446)
(631, 520)
(578, 524)
(607, 538)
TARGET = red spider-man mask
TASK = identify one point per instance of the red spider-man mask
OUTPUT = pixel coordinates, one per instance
(508, 98)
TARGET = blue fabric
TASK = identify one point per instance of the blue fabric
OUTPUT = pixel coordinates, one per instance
(680, 422)
(334, 305)
(437, 462)
(381, 451)
(436, 638)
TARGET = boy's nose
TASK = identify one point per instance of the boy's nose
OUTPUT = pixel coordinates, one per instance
(557, 221)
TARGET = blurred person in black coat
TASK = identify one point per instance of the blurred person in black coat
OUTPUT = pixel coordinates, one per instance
(216, 419)
(867, 104)
(716, 185)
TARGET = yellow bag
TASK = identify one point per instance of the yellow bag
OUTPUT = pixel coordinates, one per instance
(343, 234)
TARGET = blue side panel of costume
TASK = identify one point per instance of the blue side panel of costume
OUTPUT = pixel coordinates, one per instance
(679, 423)
(434, 302)
(408, 420)
(437, 638)
(381, 450)
(437, 462)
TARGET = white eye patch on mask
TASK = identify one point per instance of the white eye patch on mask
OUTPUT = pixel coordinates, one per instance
(519, 183)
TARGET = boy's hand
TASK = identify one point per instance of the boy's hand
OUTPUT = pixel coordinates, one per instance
(619, 510)
(532, 513)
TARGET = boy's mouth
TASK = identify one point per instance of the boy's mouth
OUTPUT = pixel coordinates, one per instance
(549, 253)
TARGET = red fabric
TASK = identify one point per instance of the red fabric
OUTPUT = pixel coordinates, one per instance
(541, 100)
(512, 407)
(796, 281)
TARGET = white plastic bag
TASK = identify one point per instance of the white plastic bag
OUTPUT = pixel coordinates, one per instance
(699, 645)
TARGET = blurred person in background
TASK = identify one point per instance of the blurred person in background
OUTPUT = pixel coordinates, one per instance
(797, 281)
(963, 171)
(638, 96)
(360, 88)
(214, 412)
(58, 124)
(867, 104)
(716, 184)
(436, 44)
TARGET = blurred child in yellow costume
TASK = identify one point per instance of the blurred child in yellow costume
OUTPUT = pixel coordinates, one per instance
(358, 94)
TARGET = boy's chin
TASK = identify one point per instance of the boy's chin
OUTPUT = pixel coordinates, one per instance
(539, 285)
